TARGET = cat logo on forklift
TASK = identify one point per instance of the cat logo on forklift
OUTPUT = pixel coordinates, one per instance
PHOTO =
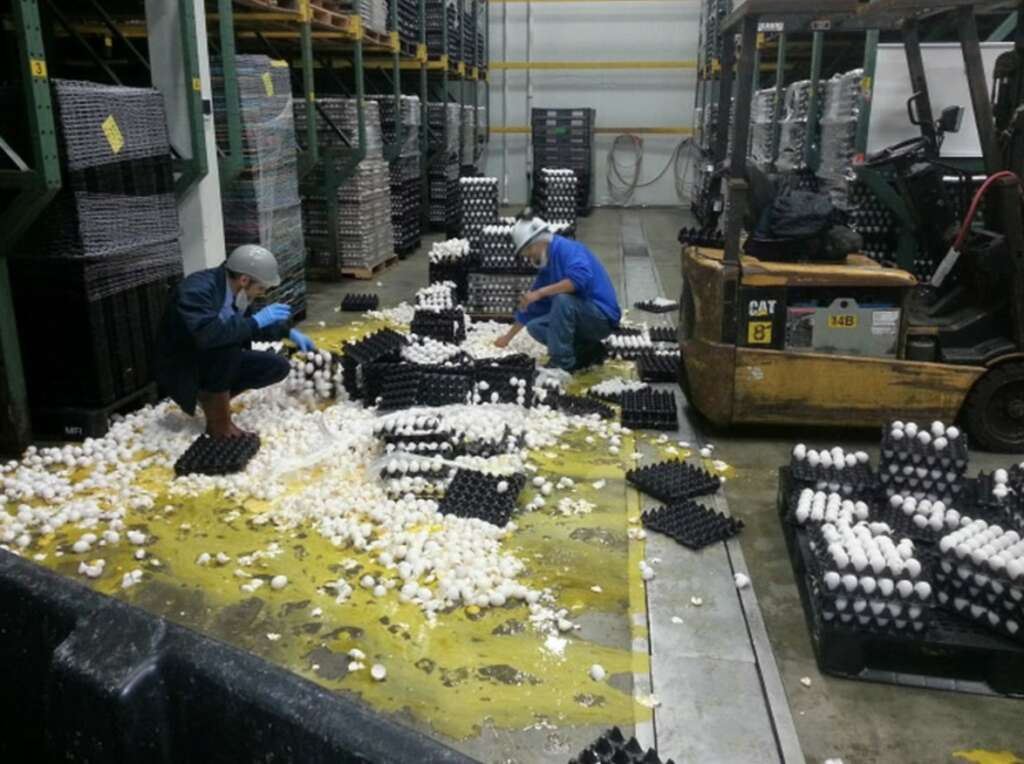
(760, 332)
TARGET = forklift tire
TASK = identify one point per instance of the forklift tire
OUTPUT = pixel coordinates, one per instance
(994, 411)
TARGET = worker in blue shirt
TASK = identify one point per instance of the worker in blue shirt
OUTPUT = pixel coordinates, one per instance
(203, 351)
(571, 306)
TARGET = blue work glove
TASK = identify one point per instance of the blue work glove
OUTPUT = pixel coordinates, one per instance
(272, 314)
(303, 342)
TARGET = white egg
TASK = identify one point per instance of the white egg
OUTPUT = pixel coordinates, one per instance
(1001, 476)
(938, 428)
(952, 433)
(799, 452)
(924, 437)
(897, 434)
(897, 425)
(910, 429)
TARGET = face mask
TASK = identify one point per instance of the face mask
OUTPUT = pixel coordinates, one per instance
(242, 300)
(544, 258)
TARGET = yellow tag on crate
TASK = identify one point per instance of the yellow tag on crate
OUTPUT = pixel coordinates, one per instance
(113, 132)
(197, 84)
(842, 321)
(759, 333)
(278, 62)
(268, 83)
(38, 67)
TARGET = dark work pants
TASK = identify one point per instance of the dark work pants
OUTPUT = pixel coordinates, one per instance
(232, 369)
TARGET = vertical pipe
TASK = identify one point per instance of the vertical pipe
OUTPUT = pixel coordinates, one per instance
(504, 100)
(312, 156)
(967, 28)
(780, 93)
(811, 153)
(738, 185)
(867, 94)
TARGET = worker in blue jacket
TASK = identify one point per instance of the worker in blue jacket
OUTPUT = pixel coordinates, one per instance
(571, 306)
(203, 351)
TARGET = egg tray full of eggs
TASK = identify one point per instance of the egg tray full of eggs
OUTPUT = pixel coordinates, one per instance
(576, 405)
(384, 345)
(659, 365)
(663, 334)
(315, 373)
(691, 525)
(444, 324)
(673, 481)
(923, 463)
(486, 497)
(980, 573)
(650, 410)
(613, 748)
(921, 520)
(890, 593)
(612, 390)
(426, 478)
(217, 456)
(499, 383)
(835, 469)
(627, 347)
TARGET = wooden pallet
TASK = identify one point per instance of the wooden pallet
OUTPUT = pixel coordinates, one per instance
(368, 273)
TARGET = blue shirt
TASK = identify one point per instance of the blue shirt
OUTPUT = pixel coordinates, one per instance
(227, 310)
(568, 259)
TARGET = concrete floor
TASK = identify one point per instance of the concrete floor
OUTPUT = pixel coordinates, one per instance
(855, 721)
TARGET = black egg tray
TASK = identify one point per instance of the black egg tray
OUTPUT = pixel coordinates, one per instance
(952, 494)
(613, 748)
(691, 525)
(1006, 602)
(1008, 511)
(903, 525)
(360, 303)
(650, 306)
(474, 494)
(824, 561)
(615, 398)
(575, 405)
(907, 450)
(625, 353)
(663, 334)
(400, 390)
(444, 389)
(950, 566)
(990, 618)
(628, 331)
(895, 618)
(384, 345)
(499, 380)
(649, 410)
(858, 480)
(419, 446)
(673, 481)
(658, 367)
(702, 237)
(445, 325)
(217, 456)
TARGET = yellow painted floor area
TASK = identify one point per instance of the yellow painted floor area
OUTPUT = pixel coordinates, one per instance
(471, 669)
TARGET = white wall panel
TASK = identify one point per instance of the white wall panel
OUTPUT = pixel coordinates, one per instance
(599, 31)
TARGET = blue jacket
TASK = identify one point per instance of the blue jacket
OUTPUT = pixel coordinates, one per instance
(568, 259)
(192, 324)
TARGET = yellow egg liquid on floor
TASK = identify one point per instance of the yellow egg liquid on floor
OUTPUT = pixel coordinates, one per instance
(471, 668)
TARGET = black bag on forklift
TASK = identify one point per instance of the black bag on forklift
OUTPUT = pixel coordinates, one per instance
(799, 225)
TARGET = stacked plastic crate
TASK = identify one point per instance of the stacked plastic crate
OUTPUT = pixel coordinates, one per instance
(373, 13)
(405, 169)
(840, 110)
(556, 197)
(408, 19)
(90, 297)
(444, 121)
(793, 127)
(261, 206)
(364, 234)
(439, 15)
(762, 127)
(564, 139)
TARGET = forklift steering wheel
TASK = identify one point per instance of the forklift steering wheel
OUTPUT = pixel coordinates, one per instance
(897, 152)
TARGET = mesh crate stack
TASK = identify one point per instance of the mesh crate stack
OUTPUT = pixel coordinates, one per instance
(444, 122)
(715, 12)
(564, 138)
(364, 234)
(556, 196)
(842, 102)
(441, 14)
(408, 19)
(793, 127)
(374, 13)
(405, 170)
(262, 205)
(762, 127)
(103, 260)
(467, 145)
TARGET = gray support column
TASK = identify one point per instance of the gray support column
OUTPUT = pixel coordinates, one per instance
(199, 210)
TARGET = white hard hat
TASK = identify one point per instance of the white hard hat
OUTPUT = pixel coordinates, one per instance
(256, 262)
(528, 230)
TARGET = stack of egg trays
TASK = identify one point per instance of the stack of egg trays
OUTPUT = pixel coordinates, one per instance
(652, 307)
(498, 377)
(691, 525)
(658, 366)
(217, 456)
(423, 477)
(384, 345)
(673, 481)
(980, 595)
(857, 481)
(705, 237)
(663, 334)
(856, 604)
(474, 494)
(944, 471)
(1008, 510)
(615, 398)
(650, 410)
(360, 303)
(446, 325)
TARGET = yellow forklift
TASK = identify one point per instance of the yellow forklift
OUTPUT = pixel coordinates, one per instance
(850, 342)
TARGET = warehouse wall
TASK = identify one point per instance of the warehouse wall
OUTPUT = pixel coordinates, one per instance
(631, 30)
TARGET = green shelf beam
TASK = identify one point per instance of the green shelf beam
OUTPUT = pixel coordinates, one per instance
(231, 163)
(194, 169)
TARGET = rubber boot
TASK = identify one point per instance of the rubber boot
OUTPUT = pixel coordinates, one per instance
(217, 408)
